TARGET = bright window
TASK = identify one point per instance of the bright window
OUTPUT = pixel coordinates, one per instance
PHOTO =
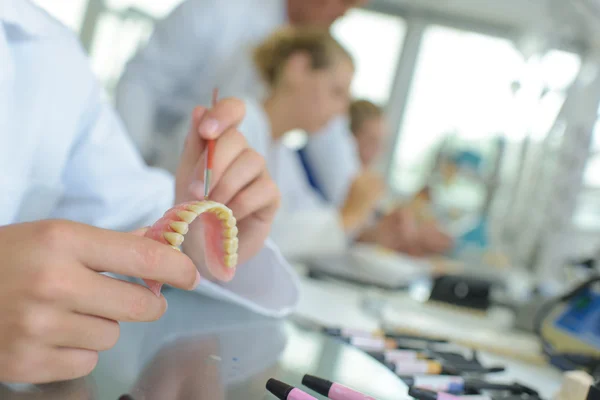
(475, 87)
(375, 42)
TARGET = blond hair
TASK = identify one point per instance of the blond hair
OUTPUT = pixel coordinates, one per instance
(361, 111)
(270, 57)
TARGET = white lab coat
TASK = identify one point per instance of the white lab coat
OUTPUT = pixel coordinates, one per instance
(64, 154)
(305, 225)
(204, 44)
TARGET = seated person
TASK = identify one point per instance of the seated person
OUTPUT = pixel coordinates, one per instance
(72, 185)
(421, 237)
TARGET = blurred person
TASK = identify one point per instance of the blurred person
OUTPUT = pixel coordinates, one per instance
(368, 126)
(204, 44)
(74, 192)
(403, 229)
(309, 75)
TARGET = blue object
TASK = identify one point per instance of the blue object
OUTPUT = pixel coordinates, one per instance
(467, 159)
(310, 174)
(476, 237)
(581, 319)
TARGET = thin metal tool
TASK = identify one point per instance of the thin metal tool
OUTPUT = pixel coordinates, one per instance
(210, 150)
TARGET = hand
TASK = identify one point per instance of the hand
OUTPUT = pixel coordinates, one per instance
(240, 180)
(398, 230)
(401, 231)
(433, 240)
(366, 190)
(57, 311)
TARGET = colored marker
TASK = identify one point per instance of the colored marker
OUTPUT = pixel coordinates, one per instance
(394, 356)
(371, 344)
(333, 390)
(450, 384)
(210, 151)
(424, 394)
(283, 391)
(350, 332)
(417, 367)
(378, 333)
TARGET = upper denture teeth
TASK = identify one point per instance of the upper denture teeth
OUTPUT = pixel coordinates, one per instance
(230, 232)
(231, 245)
(173, 238)
(198, 208)
(230, 222)
(180, 227)
(187, 216)
(231, 260)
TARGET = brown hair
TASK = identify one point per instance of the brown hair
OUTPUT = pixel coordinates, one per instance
(361, 111)
(272, 54)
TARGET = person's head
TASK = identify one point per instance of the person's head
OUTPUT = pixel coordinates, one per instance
(368, 126)
(320, 13)
(308, 74)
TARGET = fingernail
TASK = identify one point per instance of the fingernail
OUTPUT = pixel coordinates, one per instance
(208, 128)
(197, 281)
(196, 188)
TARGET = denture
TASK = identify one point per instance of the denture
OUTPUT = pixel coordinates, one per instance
(220, 236)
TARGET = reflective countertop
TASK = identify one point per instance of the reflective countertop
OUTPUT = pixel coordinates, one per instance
(207, 349)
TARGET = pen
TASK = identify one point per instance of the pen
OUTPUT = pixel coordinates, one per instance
(333, 390)
(210, 149)
(283, 391)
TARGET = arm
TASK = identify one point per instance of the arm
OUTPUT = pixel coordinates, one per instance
(106, 182)
(177, 56)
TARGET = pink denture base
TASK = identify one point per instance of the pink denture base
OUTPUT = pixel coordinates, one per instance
(213, 242)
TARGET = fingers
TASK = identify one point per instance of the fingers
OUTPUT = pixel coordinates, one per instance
(68, 363)
(132, 256)
(140, 231)
(227, 149)
(42, 364)
(260, 199)
(122, 301)
(85, 332)
(243, 170)
(227, 113)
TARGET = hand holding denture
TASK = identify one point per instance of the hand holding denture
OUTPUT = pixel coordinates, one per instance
(58, 311)
(234, 224)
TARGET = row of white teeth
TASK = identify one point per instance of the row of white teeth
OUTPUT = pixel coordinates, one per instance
(224, 214)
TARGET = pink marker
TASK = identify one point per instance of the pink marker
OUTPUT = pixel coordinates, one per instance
(333, 390)
(283, 391)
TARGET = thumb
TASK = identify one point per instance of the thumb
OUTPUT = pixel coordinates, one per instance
(140, 231)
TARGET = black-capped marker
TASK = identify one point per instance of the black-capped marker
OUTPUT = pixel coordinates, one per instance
(423, 394)
(283, 391)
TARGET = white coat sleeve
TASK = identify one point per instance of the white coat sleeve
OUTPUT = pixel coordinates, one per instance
(333, 158)
(106, 182)
(108, 185)
(175, 57)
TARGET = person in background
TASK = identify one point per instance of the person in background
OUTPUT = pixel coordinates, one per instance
(74, 191)
(368, 126)
(422, 238)
(204, 44)
(309, 75)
